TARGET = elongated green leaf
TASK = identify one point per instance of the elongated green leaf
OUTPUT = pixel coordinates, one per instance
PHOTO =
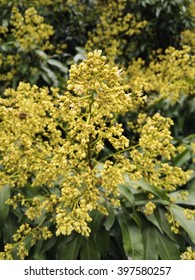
(137, 218)
(70, 250)
(37, 254)
(4, 208)
(126, 236)
(182, 158)
(191, 185)
(190, 199)
(116, 242)
(167, 250)
(188, 225)
(41, 54)
(45, 77)
(48, 244)
(154, 221)
(148, 187)
(125, 191)
(57, 64)
(50, 74)
(150, 242)
(97, 221)
(110, 218)
(103, 242)
(89, 250)
(10, 227)
(166, 227)
(131, 236)
(7, 47)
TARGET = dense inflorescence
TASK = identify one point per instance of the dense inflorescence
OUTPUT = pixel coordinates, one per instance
(189, 254)
(169, 75)
(30, 31)
(115, 29)
(53, 142)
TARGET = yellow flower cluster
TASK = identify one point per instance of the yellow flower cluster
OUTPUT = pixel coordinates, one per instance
(182, 195)
(169, 75)
(193, 151)
(30, 31)
(24, 125)
(174, 224)
(24, 235)
(53, 143)
(46, 138)
(8, 66)
(155, 149)
(3, 30)
(149, 208)
(34, 3)
(114, 24)
(188, 36)
(189, 214)
(188, 255)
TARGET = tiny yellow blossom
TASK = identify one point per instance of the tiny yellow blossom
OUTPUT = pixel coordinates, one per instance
(188, 255)
(30, 31)
(149, 208)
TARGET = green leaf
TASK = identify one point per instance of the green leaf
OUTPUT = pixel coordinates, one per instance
(116, 243)
(41, 54)
(137, 218)
(190, 200)
(125, 191)
(150, 242)
(57, 64)
(97, 220)
(45, 77)
(33, 78)
(89, 250)
(10, 228)
(110, 218)
(37, 254)
(166, 226)
(191, 186)
(9, 46)
(182, 158)
(131, 236)
(80, 54)
(148, 187)
(48, 244)
(154, 221)
(52, 76)
(167, 250)
(24, 68)
(4, 208)
(103, 242)
(70, 250)
(187, 225)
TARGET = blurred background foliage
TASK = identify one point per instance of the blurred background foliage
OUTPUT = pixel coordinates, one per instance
(153, 41)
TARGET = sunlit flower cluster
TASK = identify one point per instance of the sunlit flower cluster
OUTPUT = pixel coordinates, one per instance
(189, 214)
(150, 160)
(30, 31)
(113, 28)
(149, 208)
(175, 226)
(188, 36)
(168, 76)
(8, 66)
(189, 254)
(24, 233)
(51, 144)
